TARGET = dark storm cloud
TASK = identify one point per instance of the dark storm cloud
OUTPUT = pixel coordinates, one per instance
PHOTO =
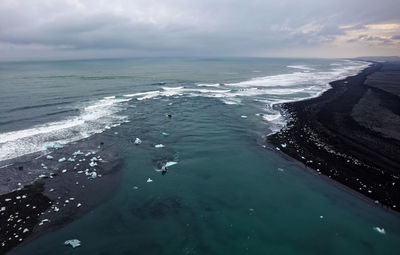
(71, 28)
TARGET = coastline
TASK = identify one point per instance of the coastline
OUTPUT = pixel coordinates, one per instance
(336, 135)
(49, 198)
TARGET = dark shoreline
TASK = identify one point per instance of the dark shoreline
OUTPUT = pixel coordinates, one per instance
(337, 134)
(64, 193)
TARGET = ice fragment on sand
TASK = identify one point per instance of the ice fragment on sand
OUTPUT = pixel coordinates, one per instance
(94, 175)
(2, 209)
(283, 145)
(73, 242)
(243, 117)
(25, 230)
(78, 205)
(159, 146)
(76, 153)
(63, 171)
(165, 134)
(149, 180)
(170, 163)
(380, 230)
(55, 145)
(42, 176)
(71, 159)
(92, 164)
(44, 166)
(62, 160)
(49, 157)
(137, 141)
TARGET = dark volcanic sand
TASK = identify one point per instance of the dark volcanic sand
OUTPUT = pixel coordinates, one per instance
(56, 195)
(351, 133)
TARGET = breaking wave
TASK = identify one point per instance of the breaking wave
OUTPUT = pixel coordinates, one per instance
(93, 118)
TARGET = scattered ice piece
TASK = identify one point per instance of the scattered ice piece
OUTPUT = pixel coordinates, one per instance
(380, 230)
(2, 209)
(243, 117)
(159, 145)
(62, 160)
(71, 159)
(49, 157)
(42, 176)
(92, 164)
(283, 145)
(43, 221)
(165, 134)
(56, 209)
(280, 169)
(94, 175)
(251, 210)
(135, 187)
(321, 217)
(73, 242)
(25, 230)
(76, 153)
(137, 141)
(79, 205)
(149, 180)
(64, 170)
(170, 163)
(57, 145)
(66, 201)
(44, 166)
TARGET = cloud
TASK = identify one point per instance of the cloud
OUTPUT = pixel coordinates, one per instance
(45, 29)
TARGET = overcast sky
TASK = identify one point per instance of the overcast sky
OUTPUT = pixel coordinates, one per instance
(71, 29)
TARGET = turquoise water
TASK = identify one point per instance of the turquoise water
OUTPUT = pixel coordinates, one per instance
(227, 194)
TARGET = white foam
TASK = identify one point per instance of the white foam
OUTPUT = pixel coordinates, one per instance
(94, 118)
(302, 67)
(208, 85)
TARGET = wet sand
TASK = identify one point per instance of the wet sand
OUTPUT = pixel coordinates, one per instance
(40, 195)
(350, 133)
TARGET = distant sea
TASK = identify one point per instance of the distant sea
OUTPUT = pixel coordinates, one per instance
(227, 194)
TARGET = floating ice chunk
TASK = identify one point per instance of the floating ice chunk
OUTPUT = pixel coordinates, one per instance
(159, 145)
(135, 187)
(170, 163)
(380, 230)
(76, 153)
(137, 141)
(57, 145)
(243, 117)
(49, 157)
(92, 164)
(62, 160)
(321, 217)
(149, 180)
(73, 242)
(280, 169)
(165, 134)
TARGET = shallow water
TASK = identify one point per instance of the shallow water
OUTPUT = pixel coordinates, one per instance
(227, 194)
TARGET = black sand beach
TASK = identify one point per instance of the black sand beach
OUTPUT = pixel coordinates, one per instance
(351, 133)
(52, 194)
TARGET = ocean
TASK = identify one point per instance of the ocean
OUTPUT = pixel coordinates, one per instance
(225, 192)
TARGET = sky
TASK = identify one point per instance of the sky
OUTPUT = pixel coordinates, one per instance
(85, 29)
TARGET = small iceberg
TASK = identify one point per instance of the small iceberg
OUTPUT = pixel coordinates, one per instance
(159, 145)
(165, 134)
(62, 160)
(243, 117)
(149, 180)
(170, 163)
(137, 141)
(380, 230)
(73, 242)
